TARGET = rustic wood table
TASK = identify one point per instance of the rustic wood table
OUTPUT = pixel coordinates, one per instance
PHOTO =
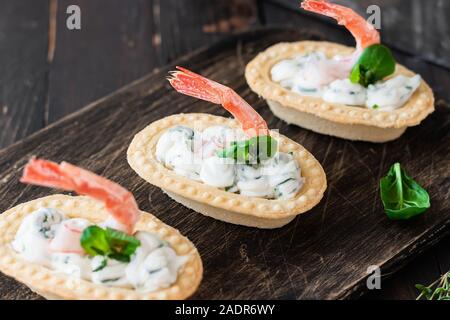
(48, 71)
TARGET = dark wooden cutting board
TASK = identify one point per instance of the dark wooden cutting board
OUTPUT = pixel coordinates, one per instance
(324, 253)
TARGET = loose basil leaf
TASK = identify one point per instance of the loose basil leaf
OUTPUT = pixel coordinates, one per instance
(402, 197)
(93, 241)
(255, 149)
(375, 63)
(110, 243)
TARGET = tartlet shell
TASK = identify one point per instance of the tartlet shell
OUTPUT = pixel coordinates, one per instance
(56, 285)
(258, 77)
(141, 157)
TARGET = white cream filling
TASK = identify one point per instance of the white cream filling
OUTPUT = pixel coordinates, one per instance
(44, 233)
(36, 231)
(316, 75)
(155, 264)
(392, 93)
(193, 154)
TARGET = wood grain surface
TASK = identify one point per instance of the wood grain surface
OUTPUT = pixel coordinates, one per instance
(121, 41)
(416, 26)
(23, 69)
(431, 264)
(322, 254)
(33, 30)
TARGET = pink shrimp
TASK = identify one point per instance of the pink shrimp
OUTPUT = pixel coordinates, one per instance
(364, 33)
(68, 235)
(118, 201)
(195, 85)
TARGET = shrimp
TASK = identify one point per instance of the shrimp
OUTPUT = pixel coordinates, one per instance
(119, 202)
(364, 33)
(340, 67)
(68, 235)
(195, 85)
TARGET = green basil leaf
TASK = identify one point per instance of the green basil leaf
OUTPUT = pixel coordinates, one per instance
(375, 63)
(238, 150)
(110, 243)
(93, 241)
(227, 152)
(402, 197)
(121, 242)
(255, 149)
(119, 257)
(263, 146)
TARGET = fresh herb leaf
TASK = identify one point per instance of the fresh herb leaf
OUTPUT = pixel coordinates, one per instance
(306, 89)
(119, 257)
(110, 280)
(253, 150)
(238, 151)
(94, 242)
(375, 63)
(402, 197)
(424, 291)
(153, 271)
(375, 106)
(121, 242)
(109, 243)
(438, 290)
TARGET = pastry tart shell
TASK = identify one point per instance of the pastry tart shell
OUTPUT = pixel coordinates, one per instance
(354, 123)
(52, 284)
(219, 204)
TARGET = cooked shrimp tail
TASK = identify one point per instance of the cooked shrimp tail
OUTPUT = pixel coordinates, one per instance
(364, 33)
(195, 85)
(119, 202)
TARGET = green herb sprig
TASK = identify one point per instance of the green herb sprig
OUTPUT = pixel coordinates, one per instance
(109, 243)
(253, 150)
(438, 290)
(375, 63)
(402, 197)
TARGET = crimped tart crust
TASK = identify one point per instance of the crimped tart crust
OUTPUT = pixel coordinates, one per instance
(309, 121)
(230, 216)
(141, 157)
(258, 78)
(56, 285)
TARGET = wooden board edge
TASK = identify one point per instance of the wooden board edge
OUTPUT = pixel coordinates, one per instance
(396, 263)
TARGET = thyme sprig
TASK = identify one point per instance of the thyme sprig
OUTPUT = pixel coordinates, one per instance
(438, 290)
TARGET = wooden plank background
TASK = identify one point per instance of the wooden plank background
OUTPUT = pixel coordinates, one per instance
(44, 78)
(416, 26)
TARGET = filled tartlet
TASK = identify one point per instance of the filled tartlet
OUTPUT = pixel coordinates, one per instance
(96, 246)
(356, 94)
(236, 171)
